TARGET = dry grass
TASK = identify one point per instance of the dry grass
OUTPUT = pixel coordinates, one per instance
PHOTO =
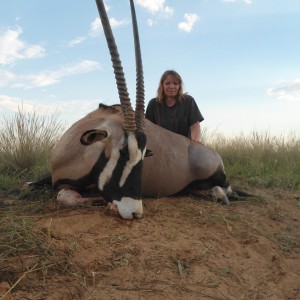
(26, 251)
(26, 140)
(261, 159)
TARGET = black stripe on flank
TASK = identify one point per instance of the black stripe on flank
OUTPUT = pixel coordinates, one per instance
(217, 179)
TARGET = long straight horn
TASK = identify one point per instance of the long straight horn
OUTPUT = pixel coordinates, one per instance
(129, 118)
(140, 90)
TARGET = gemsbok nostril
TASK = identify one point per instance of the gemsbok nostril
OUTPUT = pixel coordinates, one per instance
(137, 216)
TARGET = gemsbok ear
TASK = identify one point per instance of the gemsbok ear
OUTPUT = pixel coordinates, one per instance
(92, 136)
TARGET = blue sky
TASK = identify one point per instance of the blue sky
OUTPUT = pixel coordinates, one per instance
(239, 59)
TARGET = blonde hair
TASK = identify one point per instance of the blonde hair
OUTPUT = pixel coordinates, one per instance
(161, 97)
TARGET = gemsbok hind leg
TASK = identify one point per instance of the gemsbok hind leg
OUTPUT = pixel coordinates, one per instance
(220, 194)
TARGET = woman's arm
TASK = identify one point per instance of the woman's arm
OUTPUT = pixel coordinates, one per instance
(150, 111)
(195, 132)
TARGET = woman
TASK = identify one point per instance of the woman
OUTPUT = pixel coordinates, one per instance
(173, 110)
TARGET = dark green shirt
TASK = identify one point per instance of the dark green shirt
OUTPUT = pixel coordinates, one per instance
(177, 118)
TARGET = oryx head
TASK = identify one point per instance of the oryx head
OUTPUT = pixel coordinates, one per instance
(121, 174)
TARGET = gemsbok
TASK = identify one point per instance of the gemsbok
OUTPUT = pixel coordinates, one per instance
(103, 153)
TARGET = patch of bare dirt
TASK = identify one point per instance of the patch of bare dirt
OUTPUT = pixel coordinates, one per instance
(183, 248)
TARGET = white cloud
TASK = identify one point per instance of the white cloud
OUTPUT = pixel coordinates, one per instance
(151, 22)
(72, 110)
(14, 104)
(47, 78)
(289, 92)
(168, 11)
(12, 48)
(82, 107)
(52, 77)
(9, 103)
(245, 1)
(188, 24)
(117, 23)
(77, 41)
(96, 26)
(6, 77)
(156, 6)
(153, 6)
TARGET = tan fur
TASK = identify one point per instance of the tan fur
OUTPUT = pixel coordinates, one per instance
(177, 161)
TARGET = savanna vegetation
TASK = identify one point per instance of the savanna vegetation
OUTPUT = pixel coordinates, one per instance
(26, 140)
(32, 249)
(259, 159)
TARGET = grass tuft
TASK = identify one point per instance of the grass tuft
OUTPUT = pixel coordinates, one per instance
(26, 140)
(261, 159)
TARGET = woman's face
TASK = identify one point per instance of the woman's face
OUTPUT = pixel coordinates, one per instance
(171, 86)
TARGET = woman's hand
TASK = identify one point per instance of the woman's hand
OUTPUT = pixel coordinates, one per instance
(195, 132)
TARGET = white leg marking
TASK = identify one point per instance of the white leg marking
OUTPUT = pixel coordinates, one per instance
(218, 194)
(229, 191)
(70, 198)
(27, 185)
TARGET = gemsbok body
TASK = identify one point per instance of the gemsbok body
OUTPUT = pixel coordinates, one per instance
(176, 162)
(103, 153)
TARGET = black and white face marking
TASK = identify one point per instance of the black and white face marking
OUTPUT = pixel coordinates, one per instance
(136, 154)
(120, 179)
(118, 171)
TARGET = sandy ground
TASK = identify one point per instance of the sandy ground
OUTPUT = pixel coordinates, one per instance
(183, 248)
